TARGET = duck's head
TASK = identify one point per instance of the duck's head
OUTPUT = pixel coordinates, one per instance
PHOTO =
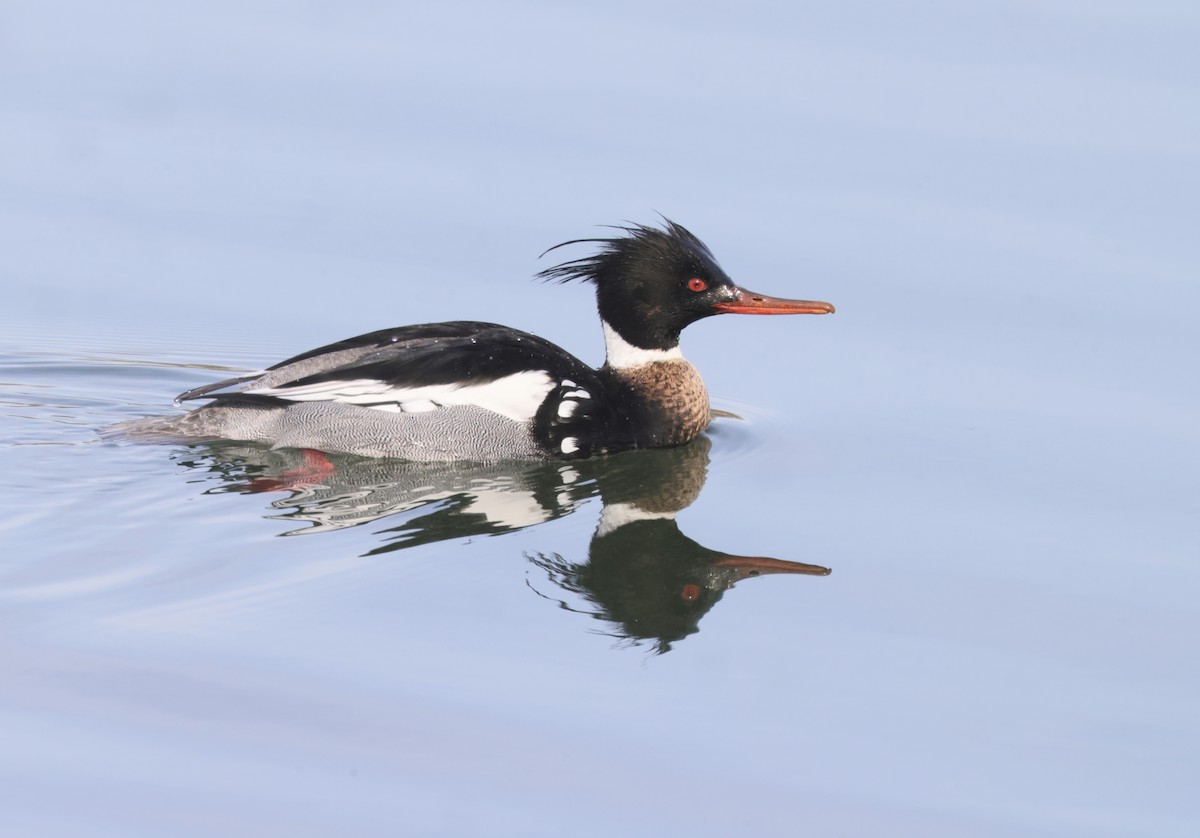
(651, 283)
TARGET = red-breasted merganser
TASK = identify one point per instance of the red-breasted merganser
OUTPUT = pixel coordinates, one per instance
(478, 391)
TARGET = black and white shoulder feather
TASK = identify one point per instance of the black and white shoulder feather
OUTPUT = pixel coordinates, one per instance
(432, 367)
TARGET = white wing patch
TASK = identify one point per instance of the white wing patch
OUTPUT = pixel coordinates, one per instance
(516, 396)
(571, 400)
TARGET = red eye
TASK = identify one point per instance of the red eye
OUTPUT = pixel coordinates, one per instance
(690, 593)
(697, 284)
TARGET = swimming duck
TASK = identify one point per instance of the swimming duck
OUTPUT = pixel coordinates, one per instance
(465, 390)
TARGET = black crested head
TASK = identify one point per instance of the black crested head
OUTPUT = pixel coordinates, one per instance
(650, 282)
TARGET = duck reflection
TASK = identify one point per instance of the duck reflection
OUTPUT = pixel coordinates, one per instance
(646, 579)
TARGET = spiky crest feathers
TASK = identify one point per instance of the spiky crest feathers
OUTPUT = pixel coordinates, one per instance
(640, 244)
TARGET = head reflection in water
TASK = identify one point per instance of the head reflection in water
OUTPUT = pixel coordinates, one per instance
(644, 577)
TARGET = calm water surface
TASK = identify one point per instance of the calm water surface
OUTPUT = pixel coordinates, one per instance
(991, 447)
(230, 635)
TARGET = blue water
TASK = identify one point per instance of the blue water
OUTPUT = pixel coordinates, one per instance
(992, 445)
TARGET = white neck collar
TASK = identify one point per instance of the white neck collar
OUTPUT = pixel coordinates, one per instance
(616, 515)
(621, 354)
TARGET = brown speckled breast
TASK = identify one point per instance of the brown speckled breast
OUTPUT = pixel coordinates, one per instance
(675, 400)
